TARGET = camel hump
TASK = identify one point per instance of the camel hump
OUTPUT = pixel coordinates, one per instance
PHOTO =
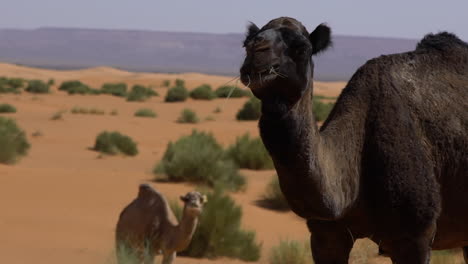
(145, 189)
(440, 41)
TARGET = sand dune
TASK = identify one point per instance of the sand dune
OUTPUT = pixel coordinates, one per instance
(60, 203)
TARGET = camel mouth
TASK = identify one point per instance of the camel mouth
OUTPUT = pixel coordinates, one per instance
(261, 77)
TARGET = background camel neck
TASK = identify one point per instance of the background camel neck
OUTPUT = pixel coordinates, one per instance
(184, 231)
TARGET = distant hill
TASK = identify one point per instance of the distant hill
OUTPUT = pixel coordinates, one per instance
(156, 51)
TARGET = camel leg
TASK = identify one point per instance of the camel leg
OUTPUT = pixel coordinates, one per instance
(169, 258)
(414, 251)
(330, 243)
(465, 254)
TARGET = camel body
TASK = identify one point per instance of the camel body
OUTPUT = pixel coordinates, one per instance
(147, 227)
(390, 163)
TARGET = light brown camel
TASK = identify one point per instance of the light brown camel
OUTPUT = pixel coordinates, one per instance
(391, 161)
(147, 227)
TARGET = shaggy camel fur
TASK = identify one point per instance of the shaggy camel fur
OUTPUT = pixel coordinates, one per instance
(147, 227)
(391, 161)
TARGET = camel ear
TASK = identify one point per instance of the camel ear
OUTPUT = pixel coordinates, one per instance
(320, 38)
(183, 198)
(252, 29)
(204, 199)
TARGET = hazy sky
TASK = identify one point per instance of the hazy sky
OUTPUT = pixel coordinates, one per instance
(391, 18)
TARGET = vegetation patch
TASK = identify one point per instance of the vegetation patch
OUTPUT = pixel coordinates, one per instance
(188, 116)
(198, 158)
(74, 87)
(84, 110)
(251, 110)
(177, 94)
(145, 112)
(203, 92)
(231, 92)
(113, 143)
(7, 108)
(11, 85)
(321, 110)
(37, 86)
(250, 153)
(219, 232)
(273, 198)
(140, 93)
(117, 89)
(13, 141)
(290, 251)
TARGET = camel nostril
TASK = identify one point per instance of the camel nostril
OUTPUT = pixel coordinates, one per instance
(262, 48)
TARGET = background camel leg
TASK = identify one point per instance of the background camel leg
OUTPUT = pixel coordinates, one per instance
(465, 253)
(330, 243)
(169, 258)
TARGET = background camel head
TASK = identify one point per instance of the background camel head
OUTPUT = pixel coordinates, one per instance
(194, 201)
(278, 58)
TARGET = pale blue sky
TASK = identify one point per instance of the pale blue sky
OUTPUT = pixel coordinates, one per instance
(390, 18)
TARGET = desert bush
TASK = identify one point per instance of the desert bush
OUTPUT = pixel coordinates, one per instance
(11, 85)
(16, 83)
(51, 82)
(290, 251)
(250, 153)
(188, 116)
(199, 158)
(117, 89)
(179, 82)
(217, 110)
(57, 115)
(7, 108)
(219, 232)
(83, 110)
(203, 92)
(74, 87)
(145, 112)
(321, 110)
(176, 94)
(13, 141)
(251, 110)
(114, 143)
(273, 198)
(446, 257)
(140, 93)
(166, 83)
(230, 91)
(37, 86)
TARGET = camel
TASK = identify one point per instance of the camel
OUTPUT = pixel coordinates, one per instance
(390, 163)
(147, 226)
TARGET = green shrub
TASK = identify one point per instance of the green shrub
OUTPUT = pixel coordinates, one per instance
(13, 141)
(117, 89)
(230, 91)
(83, 110)
(140, 93)
(51, 82)
(113, 143)
(203, 92)
(176, 94)
(37, 86)
(446, 257)
(16, 83)
(251, 110)
(199, 158)
(11, 85)
(290, 251)
(7, 108)
(145, 112)
(74, 87)
(321, 110)
(179, 82)
(219, 232)
(273, 198)
(166, 83)
(250, 153)
(188, 116)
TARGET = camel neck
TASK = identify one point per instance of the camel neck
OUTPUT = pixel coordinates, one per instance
(313, 166)
(185, 230)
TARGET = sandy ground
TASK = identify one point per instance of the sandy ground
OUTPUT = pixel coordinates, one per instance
(60, 203)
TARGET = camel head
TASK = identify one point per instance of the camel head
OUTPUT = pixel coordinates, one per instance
(193, 202)
(278, 62)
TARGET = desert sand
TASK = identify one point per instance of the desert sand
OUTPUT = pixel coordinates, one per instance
(60, 203)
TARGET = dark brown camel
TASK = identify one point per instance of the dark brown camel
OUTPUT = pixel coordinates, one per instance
(390, 163)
